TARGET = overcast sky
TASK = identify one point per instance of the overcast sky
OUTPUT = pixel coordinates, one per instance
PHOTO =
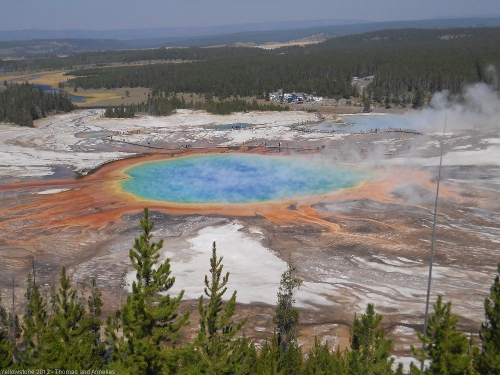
(133, 14)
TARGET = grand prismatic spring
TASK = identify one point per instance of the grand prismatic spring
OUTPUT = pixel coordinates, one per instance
(237, 178)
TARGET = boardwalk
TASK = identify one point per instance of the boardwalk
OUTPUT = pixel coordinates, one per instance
(260, 145)
(359, 132)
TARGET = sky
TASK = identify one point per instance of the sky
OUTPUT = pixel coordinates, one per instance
(134, 14)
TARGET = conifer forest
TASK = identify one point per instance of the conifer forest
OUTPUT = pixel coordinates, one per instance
(22, 104)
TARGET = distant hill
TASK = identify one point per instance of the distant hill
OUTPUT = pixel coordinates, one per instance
(282, 36)
(161, 33)
(44, 47)
(51, 43)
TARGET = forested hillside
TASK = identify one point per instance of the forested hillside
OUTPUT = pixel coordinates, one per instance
(401, 61)
(100, 58)
(21, 104)
(54, 47)
(431, 60)
(63, 332)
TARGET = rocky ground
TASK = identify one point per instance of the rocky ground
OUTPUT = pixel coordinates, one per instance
(367, 244)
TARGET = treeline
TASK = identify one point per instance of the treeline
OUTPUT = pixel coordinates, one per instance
(155, 105)
(401, 61)
(226, 107)
(102, 58)
(250, 76)
(44, 48)
(160, 105)
(123, 56)
(145, 336)
(22, 103)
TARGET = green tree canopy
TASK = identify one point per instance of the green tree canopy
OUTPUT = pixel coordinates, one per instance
(220, 350)
(286, 317)
(447, 349)
(370, 348)
(5, 345)
(487, 361)
(150, 317)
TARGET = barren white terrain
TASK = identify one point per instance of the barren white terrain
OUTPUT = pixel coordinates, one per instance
(380, 253)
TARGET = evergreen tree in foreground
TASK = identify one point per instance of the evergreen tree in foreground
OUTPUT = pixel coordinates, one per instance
(66, 340)
(149, 318)
(370, 349)
(447, 349)
(488, 360)
(282, 354)
(35, 331)
(220, 351)
(67, 333)
(287, 315)
(5, 345)
(95, 348)
(269, 359)
(320, 360)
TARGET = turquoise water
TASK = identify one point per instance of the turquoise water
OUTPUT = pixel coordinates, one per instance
(369, 122)
(237, 178)
(235, 126)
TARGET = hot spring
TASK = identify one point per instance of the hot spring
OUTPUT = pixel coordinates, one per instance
(237, 178)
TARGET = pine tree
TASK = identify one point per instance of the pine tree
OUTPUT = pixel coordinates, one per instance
(366, 103)
(5, 345)
(269, 358)
(283, 355)
(93, 352)
(286, 317)
(419, 99)
(291, 360)
(320, 360)
(5, 351)
(14, 326)
(488, 360)
(244, 357)
(149, 319)
(28, 294)
(66, 340)
(370, 349)
(72, 342)
(35, 332)
(447, 349)
(220, 351)
(69, 312)
(339, 362)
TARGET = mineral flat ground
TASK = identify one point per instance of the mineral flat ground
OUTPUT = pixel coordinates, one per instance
(62, 203)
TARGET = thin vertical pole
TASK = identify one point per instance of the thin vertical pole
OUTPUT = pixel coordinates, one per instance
(34, 273)
(426, 316)
(13, 315)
